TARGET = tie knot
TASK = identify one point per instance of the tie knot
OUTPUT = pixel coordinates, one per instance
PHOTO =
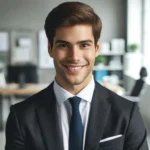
(75, 101)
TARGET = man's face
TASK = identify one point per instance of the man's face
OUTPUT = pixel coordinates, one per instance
(74, 55)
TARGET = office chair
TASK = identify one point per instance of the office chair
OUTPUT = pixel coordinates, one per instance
(139, 83)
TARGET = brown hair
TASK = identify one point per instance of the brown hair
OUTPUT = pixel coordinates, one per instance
(69, 14)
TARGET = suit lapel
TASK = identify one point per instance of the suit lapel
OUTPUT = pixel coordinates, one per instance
(99, 112)
(49, 121)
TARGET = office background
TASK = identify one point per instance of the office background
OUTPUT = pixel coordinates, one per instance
(29, 15)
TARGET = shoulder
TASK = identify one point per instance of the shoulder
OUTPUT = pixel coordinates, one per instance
(29, 104)
(118, 103)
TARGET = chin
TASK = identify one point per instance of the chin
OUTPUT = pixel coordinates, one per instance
(75, 81)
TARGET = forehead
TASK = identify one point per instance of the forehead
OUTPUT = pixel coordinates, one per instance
(73, 33)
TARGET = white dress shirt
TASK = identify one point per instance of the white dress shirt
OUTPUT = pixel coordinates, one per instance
(65, 109)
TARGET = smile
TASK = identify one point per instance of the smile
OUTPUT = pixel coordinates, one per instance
(73, 68)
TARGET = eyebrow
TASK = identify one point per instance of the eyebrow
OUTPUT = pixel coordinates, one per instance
(79, 42)
(61, 41)
(85, 41)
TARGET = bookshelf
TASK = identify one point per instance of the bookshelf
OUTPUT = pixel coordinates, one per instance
(113, 67)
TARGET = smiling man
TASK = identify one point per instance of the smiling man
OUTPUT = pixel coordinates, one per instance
(74, 53)
(74, 112)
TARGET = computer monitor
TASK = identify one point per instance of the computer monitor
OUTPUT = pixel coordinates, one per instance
(28, 73)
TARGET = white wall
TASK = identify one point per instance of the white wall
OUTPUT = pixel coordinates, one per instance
(31, 14)
(134, 19)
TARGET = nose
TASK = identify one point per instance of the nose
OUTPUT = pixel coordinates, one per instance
(73, 53)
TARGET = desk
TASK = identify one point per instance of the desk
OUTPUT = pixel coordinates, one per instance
(115, 88)
(30, 89)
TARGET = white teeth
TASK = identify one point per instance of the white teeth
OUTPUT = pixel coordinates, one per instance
(74, 68)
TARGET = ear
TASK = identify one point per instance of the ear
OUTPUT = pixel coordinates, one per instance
(50, 51)
(98, 48)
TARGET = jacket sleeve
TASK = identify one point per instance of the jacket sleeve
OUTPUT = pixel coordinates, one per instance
(14, 137)
(135, 138)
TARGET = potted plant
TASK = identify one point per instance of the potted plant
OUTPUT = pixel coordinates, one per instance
(133, 47)
(100, 72)
(100, 60)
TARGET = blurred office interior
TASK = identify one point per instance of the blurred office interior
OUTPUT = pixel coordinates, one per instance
(123, 64)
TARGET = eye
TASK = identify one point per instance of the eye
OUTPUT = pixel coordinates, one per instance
(85, 45)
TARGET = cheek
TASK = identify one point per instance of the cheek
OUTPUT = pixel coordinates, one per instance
(90, 56)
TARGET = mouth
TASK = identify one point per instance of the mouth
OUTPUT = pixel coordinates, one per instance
(73, 68)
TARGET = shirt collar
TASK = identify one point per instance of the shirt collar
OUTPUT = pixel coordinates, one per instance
(85, 94)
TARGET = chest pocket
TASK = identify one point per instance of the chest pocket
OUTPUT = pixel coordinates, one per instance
(115, 144)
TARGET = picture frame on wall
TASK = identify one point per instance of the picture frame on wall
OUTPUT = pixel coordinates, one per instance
(4, 48)
(4, 41)
(45, 61)
(23, 45)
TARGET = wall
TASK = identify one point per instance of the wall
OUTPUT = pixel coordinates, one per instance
(134, 19)
(30, 15)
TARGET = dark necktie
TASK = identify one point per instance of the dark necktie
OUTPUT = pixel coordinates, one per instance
(76, 127)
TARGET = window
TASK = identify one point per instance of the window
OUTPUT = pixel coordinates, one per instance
(146, 35)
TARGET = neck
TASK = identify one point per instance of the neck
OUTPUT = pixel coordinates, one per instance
(74, 89)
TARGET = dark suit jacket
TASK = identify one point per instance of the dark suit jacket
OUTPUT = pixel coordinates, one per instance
(34, 124)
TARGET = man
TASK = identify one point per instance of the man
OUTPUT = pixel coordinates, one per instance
(74, 112)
